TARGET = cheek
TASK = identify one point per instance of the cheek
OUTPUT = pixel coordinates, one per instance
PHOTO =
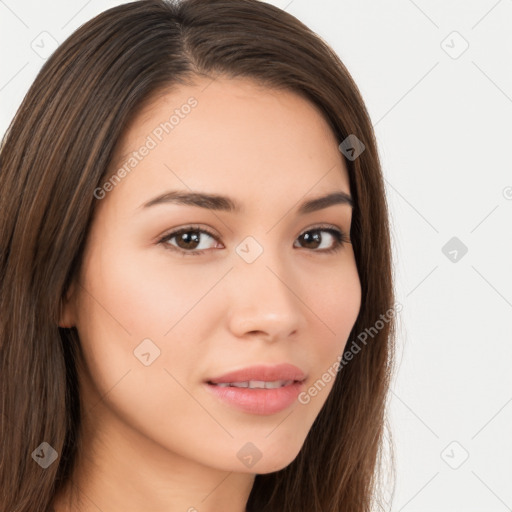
(334, 299)
(124, 316)
(150, 316)
(147, 296)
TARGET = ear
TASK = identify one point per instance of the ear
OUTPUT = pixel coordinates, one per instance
(67, 308)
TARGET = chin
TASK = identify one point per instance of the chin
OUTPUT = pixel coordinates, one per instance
(275, 462)
(271, 466)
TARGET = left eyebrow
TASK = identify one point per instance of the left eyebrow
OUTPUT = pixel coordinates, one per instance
(319, 203)
(224, 203)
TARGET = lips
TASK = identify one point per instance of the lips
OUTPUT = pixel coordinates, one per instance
(261, 389)
(261, 376)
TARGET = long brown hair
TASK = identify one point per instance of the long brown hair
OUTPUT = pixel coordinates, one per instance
(58, 150)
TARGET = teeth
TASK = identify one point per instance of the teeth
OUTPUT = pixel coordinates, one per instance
(239, 384)
(257, 384)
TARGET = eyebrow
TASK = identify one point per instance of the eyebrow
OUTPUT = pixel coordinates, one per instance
(227, 204)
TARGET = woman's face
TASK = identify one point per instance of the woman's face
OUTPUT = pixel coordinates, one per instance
(160, 315)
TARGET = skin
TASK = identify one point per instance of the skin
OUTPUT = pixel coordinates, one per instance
(154, 439)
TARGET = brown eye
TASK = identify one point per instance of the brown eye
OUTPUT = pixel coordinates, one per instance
(188, 240)
(312, 239)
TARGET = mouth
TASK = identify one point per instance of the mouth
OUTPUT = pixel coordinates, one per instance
(257, 396)
(260, 389)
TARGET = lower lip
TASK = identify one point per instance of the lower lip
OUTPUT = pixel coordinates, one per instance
(258, 401)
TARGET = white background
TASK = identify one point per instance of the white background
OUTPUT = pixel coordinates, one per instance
(443, 124)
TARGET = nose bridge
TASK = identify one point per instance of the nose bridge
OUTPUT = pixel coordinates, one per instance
(262, 293)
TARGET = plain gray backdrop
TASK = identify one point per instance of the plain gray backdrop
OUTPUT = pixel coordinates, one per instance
(437, 81)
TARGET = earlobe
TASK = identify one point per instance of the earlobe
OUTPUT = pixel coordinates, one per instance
(66, 312)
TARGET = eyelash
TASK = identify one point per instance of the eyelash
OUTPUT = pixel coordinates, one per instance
(340, 238)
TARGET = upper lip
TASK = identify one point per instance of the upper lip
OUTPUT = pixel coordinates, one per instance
(265, 373)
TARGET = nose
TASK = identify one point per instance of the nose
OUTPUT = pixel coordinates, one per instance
(263, 302)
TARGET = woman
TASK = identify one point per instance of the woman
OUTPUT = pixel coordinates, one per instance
(136, 377)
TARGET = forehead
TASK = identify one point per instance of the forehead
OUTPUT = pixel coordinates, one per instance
(231, 137)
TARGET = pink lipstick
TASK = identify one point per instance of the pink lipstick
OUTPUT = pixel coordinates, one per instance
(259, 389)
